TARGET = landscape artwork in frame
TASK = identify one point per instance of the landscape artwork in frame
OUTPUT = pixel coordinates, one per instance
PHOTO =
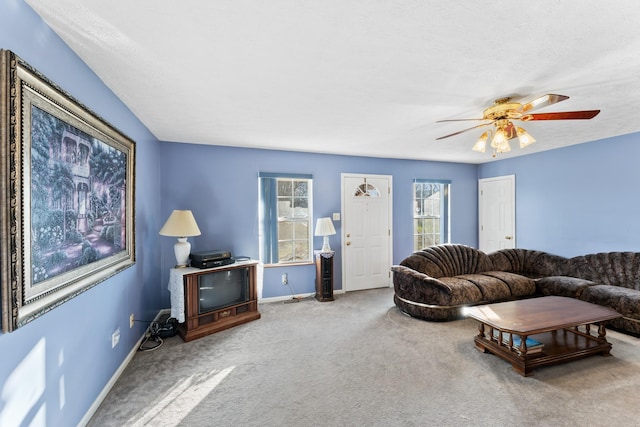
(67, 212)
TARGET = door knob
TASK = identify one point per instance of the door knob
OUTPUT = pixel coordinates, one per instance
(348, 243)
(508, 237)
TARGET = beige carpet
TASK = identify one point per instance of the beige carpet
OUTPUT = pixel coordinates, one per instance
(357, 361)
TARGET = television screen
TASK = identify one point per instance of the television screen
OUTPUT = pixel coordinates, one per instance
(220, 289)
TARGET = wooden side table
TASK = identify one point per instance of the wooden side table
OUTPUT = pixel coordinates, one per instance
(324, 276)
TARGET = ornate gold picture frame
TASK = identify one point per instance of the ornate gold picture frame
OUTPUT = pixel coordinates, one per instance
(67, 203)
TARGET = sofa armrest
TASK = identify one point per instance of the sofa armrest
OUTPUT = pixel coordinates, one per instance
(414, 286)
(413, 277)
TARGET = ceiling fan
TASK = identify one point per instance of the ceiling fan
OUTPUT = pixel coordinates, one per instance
(505, 110)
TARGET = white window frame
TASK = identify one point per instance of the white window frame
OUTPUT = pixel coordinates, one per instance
(419, 215)
(270, 212)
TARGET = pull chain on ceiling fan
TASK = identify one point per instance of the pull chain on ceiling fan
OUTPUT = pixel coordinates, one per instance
(504, 110)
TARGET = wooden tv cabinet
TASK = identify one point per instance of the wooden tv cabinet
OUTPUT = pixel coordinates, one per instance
(198, 325)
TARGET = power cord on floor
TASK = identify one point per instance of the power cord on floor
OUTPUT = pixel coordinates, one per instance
(166, 327)
(294, 298)
(152, 338)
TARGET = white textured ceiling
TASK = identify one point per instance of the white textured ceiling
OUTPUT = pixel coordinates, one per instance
(358, 77)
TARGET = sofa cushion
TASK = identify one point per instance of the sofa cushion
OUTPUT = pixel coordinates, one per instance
(519, 286)
(492, 289)
(562, 286)
(623, 300)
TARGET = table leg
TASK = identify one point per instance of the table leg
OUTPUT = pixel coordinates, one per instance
(602, 331)
(522, 370)
(481, 330)
(480, 338)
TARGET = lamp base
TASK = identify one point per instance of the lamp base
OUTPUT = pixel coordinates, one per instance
(325, 244)
(182, 249)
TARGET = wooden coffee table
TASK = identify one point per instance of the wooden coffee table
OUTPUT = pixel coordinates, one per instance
(562, 325)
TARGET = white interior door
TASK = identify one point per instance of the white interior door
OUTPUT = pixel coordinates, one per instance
(497, 213)
(366, 231)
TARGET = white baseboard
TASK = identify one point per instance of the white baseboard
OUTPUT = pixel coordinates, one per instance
(288, 297)
(285, 298)
(114, 378)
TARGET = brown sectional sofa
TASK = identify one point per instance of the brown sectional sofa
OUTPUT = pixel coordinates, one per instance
(437, 282)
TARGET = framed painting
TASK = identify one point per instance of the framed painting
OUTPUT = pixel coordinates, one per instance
(67, 202)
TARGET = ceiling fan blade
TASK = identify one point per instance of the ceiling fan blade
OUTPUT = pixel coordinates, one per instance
(459, 120)
(465, 130)
(543, 101)
(566, 115)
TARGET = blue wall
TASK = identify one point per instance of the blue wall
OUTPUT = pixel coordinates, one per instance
(220, 186)
(54, 368)
(569, 201)
(577, 200)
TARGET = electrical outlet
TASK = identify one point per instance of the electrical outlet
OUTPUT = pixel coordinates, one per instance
(285, 279)
(336, 217)
(115, 338)
(131, 320)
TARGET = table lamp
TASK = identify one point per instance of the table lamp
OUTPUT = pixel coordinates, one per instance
(181, 224)
(324, 228)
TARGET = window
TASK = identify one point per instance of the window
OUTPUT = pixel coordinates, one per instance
(366, 190)
(285, 218)
(430, 213)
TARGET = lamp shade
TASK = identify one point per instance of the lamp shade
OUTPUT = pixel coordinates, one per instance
(525, 138)
(499, 141)
(324, 227)
(481, 144)
(180, 224)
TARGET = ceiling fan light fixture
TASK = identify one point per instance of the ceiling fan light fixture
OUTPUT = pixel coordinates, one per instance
(525, 138)
(503, 148)
(481, 144)
(505, 111)
(499, 140)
